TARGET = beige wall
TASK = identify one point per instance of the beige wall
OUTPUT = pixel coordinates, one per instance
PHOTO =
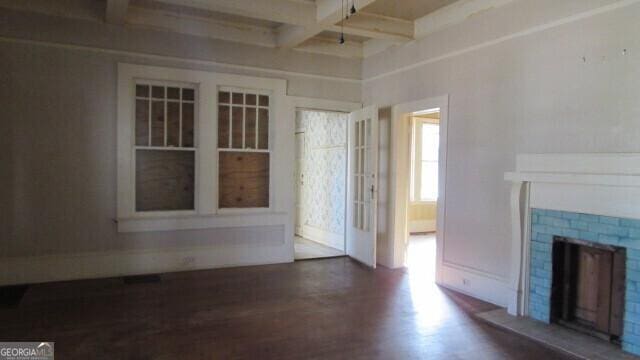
(530, 77)
(422, 211)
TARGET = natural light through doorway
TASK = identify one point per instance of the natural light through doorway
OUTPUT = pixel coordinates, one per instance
(421, 257)
(421, 214)
(421, 243)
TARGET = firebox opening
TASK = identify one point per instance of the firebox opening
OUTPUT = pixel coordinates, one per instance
(588, 287)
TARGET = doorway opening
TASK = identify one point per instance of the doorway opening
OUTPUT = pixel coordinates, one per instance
(320, 183)
(423, 194)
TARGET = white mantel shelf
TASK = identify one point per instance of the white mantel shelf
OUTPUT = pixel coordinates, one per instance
(578, 179)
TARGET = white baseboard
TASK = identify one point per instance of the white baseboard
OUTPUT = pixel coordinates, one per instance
(39, 269)
(484, 286)
(416, 226)
(324, 237)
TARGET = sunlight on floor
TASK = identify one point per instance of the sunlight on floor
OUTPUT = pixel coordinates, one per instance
(425, 295)
(421, 257)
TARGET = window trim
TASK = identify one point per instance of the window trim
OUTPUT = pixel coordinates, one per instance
(416, 160)
(206, 213)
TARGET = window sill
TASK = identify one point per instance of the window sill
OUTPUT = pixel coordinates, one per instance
(174, 222)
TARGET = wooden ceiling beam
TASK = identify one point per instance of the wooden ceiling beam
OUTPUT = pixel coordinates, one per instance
(319, 45)
(281, 11)
(328, 14)
(378, 27)
(303, 20)
(198, 26)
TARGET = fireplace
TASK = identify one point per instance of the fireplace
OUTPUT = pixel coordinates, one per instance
(588, 286)
(575, 246)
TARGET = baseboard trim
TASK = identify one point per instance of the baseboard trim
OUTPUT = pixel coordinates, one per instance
(475, 284)
(324, 237)
(40, 269)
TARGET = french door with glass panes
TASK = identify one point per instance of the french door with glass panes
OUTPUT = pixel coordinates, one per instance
(363, 185)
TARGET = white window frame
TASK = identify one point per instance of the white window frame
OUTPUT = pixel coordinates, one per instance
(416, 160)
(206, 213)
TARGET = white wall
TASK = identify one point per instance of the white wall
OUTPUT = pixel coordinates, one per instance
(311, 75)
(58, 176)
(531, 76)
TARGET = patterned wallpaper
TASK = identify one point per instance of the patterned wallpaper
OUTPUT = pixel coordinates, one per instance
(324, 167)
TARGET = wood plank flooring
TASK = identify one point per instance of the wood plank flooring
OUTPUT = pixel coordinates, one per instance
(319, 309)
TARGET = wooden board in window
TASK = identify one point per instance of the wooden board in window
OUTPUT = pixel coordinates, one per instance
(244, 180)
(165, 180)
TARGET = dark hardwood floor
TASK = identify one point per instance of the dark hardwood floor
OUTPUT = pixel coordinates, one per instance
(320, 309)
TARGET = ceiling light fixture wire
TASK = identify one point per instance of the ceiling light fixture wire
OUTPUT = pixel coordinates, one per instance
(341, 40)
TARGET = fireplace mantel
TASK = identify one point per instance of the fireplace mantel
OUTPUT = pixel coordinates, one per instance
(600, 184)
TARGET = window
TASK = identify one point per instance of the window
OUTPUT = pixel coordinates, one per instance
(164, 150)
(243, 148)
(425, 169)
(196, 145)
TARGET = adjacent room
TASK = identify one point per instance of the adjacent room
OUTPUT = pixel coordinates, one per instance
(320, 179)
(321, 183)
(423, 196)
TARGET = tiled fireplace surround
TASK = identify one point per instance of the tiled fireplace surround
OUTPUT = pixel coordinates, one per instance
(588, 197)
(594, 228)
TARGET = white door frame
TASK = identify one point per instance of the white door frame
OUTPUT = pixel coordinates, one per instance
(400, 185)
(296, 226)
(307, 103)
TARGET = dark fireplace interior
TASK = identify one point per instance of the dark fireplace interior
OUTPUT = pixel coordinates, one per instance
(588, 286)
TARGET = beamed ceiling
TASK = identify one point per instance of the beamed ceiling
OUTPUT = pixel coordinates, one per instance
(303, 25)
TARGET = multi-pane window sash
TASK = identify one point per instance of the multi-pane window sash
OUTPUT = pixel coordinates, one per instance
(165, 115)
(243, 120)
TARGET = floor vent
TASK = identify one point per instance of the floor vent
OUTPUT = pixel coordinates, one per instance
(141, 279)
(10, 296)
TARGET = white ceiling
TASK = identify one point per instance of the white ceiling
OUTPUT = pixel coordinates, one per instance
(302, 25)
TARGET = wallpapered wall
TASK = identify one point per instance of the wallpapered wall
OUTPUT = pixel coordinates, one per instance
(324, 162)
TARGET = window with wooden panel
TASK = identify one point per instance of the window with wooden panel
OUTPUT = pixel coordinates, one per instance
(165, 146)
(243, 148)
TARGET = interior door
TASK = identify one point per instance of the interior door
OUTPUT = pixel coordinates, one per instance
(299, 178)
(362, 185)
